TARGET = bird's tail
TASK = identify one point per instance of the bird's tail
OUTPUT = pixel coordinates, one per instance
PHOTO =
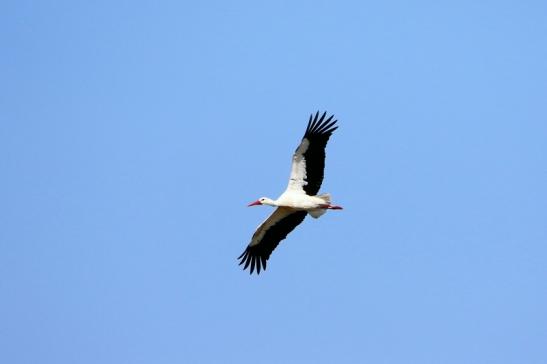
(325, 197)
(318, 212)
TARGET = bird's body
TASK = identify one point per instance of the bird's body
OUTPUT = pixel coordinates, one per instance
(299, 199)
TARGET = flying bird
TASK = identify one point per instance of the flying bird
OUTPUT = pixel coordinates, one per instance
(299, 199)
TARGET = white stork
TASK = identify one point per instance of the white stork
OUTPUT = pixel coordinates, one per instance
(299, 199)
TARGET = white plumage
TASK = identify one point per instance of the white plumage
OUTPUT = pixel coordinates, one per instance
(299, 199)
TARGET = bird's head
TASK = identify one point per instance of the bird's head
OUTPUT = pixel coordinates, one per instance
(262, 201)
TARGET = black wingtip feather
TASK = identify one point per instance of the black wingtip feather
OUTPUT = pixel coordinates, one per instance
(257, 255)
(252, 262)
(322, 117)
(317, 134)
(313, 122)
(325, 127)
(319, 126)
(247, 261)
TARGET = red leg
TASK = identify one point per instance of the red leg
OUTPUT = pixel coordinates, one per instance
(331, 207)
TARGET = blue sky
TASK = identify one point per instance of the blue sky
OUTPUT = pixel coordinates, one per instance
(133, 134)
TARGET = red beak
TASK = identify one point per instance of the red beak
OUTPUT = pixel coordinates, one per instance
(257, 202)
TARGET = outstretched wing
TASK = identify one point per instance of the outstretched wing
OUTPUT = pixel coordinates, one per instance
(268, 235)
(308, 162)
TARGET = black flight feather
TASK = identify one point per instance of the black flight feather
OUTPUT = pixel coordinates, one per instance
(257, 255)
(317, 133)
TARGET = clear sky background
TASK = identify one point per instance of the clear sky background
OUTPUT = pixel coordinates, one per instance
(133, 134)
